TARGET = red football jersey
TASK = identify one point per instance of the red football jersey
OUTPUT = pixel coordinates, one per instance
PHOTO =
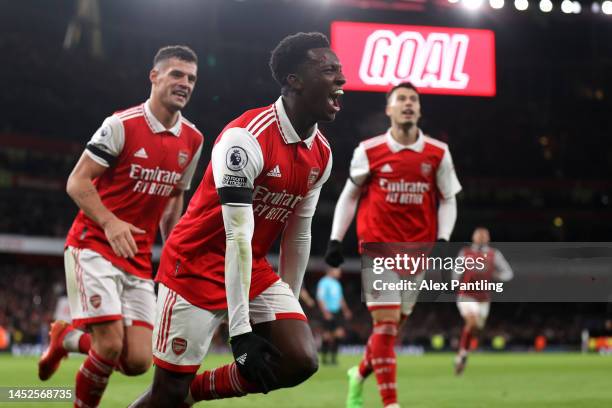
(261, 151)
(146, 163)
(487, 256)
(401, 185)
(495, 268)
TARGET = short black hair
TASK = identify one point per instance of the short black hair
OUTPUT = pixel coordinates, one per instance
(181, 52)
(292, 51)
(407, 85)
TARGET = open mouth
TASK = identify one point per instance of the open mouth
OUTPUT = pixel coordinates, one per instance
(334, 99)
(180, 93)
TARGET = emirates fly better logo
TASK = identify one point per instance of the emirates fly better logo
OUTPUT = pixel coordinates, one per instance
(435, 59)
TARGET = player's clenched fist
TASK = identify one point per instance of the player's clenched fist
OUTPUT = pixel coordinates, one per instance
(256, 359)
(333, 255)
(119, 235)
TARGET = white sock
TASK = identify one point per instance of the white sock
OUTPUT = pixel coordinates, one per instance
(71, 340)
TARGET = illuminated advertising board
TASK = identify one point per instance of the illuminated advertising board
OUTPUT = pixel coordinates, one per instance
(437, 60)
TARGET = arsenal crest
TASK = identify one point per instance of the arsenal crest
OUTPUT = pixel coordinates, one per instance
(313, 176)
(95, 300)
(426, 169)
(183, 156)
(179, 345)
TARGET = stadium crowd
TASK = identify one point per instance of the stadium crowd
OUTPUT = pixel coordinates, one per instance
(29, 293)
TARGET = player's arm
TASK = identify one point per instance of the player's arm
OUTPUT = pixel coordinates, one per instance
(236, 161)
(101, 152)
(503, 270)
(296, 238)
(448, 186)
(172, 213)
(347, 206)
(306, 298)
(174, 209)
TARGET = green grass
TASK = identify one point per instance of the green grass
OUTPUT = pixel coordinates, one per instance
(490, 380)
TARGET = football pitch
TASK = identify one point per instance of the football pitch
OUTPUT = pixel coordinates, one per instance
(490, 380)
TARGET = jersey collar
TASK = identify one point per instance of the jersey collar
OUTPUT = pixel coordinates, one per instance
(287, 131)
(395, 146)
(156, 126)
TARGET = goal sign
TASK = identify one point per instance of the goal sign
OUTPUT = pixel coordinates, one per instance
(437, 60)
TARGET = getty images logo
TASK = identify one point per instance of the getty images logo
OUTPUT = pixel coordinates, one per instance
(434, 61)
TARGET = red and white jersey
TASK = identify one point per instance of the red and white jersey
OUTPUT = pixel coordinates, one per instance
(261, 151)
(400, 188)
(495, 268)
(146, 163)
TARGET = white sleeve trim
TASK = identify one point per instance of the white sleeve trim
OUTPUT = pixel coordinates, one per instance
(360, 166)
(237, 159)
(185, 181)
(345, 210)
(110, 137)
(294, 252)
(447, 216)
(446, 178)
(239, 227)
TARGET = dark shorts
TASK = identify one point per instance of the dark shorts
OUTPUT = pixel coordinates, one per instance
(334, 323)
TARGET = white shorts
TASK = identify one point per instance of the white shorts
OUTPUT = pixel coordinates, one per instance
(470, 307)
(183, 332)
(100, 292)
(391, 299)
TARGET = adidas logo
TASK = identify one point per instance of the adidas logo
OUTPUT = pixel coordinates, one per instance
(386, 168)
(275, 172)
(242, 359)
(142, 153)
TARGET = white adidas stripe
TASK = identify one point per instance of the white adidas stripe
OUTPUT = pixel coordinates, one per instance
(264, 127)
(323, 139)
(375, 141)
(256, 120)
(262, 122)
(130, 111)
(136, 115)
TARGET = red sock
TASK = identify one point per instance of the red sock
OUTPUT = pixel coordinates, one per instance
(365, 366)
(383, 360)
(84, 343)
(222, 382)
(91, 380)
(466, 338)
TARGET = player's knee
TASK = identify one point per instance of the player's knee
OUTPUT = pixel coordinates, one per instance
(304, 367)
(472, 322)
(109, 347)
(135, 365)
(386, 315)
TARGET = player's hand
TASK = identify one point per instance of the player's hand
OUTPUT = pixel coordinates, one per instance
(256, 359)
(327, 315)
(333, 255)
(119, 235)
(348, 315)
